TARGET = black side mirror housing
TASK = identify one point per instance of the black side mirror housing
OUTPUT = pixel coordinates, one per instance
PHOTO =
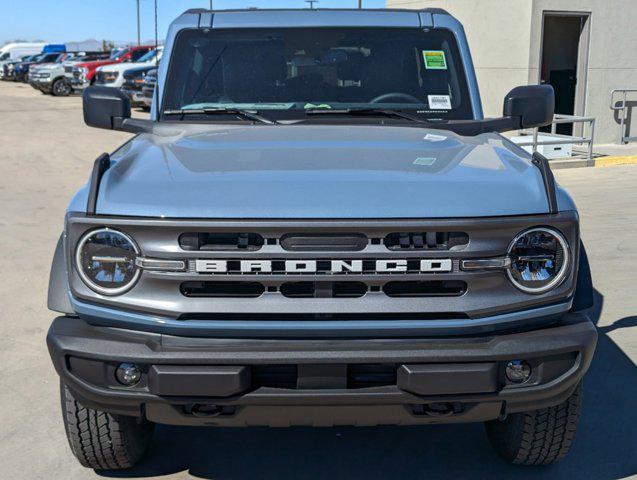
(533, 105)
(110, 109)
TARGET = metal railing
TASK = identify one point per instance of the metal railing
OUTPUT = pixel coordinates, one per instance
(624, 111)
(560, 139)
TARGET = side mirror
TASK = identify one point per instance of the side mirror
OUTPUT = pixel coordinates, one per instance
(532, 105)
(109, 108)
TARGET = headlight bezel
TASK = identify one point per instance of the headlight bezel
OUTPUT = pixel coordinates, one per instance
(110, 292)
(561, 275)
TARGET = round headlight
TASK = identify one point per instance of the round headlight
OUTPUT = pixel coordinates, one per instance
(105, 260)
(539, 260)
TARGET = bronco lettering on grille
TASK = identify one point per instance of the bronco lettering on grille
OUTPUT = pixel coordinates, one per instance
(322, 266)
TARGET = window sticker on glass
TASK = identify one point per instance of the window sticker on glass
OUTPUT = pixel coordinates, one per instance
(435, 59)
(439, 102)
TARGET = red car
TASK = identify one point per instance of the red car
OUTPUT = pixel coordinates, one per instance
(81, 75)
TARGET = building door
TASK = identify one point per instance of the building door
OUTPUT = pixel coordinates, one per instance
(564, 62)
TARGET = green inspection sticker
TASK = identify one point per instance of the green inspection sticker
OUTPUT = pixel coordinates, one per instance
(435, 59)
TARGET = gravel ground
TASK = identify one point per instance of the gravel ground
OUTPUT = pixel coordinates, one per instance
(46, 153)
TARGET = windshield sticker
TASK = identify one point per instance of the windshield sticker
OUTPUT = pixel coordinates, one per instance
(430, 137)
(439, 102)
(435, 59)
(311, 106)
(425, 161)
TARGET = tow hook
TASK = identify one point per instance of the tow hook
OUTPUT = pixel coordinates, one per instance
(202, 410)
(437, 409)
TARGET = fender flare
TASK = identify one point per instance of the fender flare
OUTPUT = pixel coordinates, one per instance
(58, 297)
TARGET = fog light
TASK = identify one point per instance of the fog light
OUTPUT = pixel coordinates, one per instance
(518, 371)
(128, 374)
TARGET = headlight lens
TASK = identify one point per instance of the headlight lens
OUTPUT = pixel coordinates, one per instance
(105, 260)
(539, 260)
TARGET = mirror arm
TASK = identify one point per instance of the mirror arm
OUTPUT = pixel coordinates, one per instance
(132, 125)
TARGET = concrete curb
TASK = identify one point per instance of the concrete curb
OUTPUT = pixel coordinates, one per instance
(597, 162)
(611, 161)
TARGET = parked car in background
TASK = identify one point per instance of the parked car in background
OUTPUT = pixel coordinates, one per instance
(113, 75)
(15, 51)
(134, 80)
(83, 74)
(148, 89)
(7, 68)
(50, 78)
(21, 71)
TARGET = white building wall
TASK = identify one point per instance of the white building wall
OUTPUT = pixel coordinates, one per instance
(612, 59)
(505, 40)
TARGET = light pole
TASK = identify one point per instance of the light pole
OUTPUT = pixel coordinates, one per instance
(139, 29)
(360, 4)
(210, 4)
(311, 2)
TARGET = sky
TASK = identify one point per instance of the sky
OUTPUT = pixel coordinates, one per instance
(75, 20)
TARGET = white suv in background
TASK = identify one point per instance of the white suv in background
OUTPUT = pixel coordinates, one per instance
(113, 75)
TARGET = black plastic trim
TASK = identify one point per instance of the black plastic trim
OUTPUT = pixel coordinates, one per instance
(541, 162)
(101, 165)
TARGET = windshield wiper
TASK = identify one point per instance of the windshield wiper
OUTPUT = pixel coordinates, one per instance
(247, 114)
(384, 112)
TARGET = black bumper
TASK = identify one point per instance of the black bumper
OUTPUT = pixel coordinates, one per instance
(205, 381)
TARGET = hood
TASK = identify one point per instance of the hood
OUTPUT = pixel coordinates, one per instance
(303, 171)
(97, 63)
(122, 67)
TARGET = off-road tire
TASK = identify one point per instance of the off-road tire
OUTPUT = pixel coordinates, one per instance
(538, 437)
(103, 441)
(60, 88)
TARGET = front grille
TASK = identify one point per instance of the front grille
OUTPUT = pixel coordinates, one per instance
(204, 241)
(425, 289)
(68, 69)
(286, 270)
(222, 289)
(326, 242)
(425, 240)
(323, 289)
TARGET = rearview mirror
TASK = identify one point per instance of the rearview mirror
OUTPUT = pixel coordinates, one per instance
(109, 108)
(533, 105)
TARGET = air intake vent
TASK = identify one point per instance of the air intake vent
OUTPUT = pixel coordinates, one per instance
(323, 289)
(425, 289)
(221, 241)
(371, 375)
(425, 240)
(328, 242)
(222, 289)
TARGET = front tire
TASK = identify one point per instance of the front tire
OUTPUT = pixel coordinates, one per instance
(60, 88)
(100, 440)
(538, 437)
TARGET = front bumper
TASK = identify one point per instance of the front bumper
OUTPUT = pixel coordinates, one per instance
(79, 84)
(136, 96)
(283, 382)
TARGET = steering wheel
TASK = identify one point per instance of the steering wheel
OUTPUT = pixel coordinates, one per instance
(397, 95)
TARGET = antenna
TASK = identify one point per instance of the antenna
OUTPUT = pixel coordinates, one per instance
(311, 2)
(156, 55)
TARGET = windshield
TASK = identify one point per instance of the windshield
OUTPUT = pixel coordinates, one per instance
(149, 57)
(4, 56)
(319, 68)
(119, 54)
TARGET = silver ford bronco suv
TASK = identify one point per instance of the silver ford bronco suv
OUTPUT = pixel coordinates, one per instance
(317, 226)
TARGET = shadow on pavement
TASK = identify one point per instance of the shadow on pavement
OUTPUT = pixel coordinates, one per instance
(604, 447)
